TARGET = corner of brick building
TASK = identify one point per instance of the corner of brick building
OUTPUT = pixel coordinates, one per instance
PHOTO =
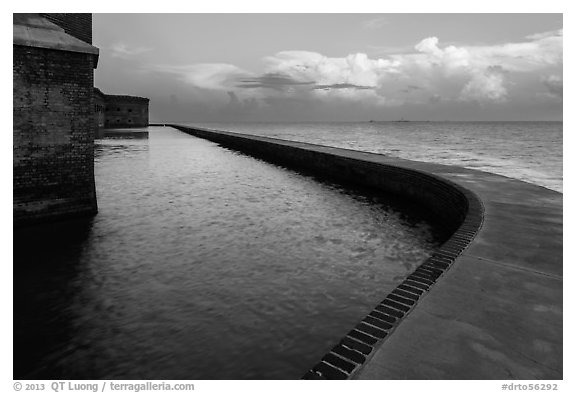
(53, 116)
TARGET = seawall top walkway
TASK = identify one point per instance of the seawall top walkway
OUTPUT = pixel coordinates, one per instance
(495, 313)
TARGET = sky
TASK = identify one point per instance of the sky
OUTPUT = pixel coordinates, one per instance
(334, 67)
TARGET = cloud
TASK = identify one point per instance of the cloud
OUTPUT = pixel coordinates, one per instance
(528, 56)
(429, 46)
(280, 82)
(431, 72)
(343, 86)
(276, 81)
(375, 23)
(544, 35)
(411, 89)
(485, 85)
(122, 50)
(479, 73)
(554, 84)
(209, 76)
(355, 69)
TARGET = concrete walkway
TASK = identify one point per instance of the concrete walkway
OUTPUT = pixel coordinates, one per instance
(494, 311)
(497, 313)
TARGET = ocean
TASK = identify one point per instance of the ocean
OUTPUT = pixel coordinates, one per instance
(528, 151)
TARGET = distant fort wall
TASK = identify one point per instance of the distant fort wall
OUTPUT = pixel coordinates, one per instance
(114, 111)
(53, 117)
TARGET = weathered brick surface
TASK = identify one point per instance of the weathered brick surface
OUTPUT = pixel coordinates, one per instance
(77, 25)
(350, 354)
(53, 114)
(356, 345)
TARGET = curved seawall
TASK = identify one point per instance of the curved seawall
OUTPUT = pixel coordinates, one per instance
(486, 305)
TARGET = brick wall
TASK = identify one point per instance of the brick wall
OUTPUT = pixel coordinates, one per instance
(126, 112)
(53, 114)
(77, 25)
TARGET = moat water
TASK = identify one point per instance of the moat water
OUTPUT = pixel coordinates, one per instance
(203, 263)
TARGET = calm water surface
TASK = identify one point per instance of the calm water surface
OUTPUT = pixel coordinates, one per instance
(529, 151)
(203, 263)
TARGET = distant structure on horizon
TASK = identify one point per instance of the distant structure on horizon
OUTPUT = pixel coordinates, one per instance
(114, 111)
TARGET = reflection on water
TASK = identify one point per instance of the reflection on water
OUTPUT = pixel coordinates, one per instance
(203, 263)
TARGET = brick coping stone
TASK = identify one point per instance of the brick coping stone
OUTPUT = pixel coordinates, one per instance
(486, 305)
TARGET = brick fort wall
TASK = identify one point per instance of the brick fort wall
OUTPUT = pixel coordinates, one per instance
(125, 111)
(53, 114)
